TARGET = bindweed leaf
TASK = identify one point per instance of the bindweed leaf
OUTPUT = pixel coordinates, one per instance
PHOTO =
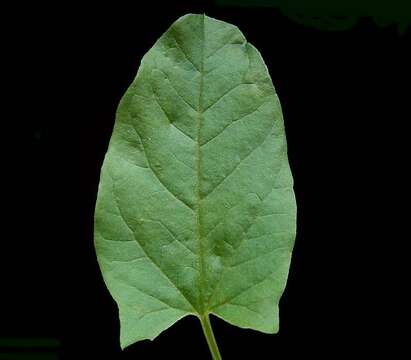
(196, 212)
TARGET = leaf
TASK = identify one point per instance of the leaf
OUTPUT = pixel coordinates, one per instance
(195, 211)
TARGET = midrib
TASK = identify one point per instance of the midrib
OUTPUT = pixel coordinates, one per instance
(197, 208)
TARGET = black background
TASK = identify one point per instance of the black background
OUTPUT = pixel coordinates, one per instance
(341, 94)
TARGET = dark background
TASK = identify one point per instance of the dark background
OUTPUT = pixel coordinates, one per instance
(343, 85)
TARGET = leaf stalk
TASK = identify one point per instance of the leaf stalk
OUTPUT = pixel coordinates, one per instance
(209, 335)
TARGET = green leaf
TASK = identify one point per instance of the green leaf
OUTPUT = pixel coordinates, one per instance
(196, 212)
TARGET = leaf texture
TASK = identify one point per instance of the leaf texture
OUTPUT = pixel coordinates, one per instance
(195, 211)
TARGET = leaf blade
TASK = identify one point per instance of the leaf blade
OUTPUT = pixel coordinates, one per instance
(196, 185)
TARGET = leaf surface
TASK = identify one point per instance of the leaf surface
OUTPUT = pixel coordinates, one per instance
(195, 211)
